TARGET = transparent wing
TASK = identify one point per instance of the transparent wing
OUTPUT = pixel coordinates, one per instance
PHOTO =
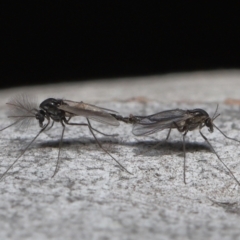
(102, 115)
(163, 120)
(88, 106)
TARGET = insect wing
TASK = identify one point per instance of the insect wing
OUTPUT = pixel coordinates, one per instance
(160, 121)
(92, 112)
(91, 106)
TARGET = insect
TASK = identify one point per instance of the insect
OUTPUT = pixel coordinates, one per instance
(182, 120)
(54, 110)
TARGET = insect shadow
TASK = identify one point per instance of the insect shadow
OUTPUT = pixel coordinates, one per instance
(166, 147)
(62, 111)
(182, 120)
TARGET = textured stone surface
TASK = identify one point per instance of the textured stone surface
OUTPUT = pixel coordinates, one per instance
(91, 198)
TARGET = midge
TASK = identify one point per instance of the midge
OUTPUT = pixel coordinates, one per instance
(182, 120)
(54, 110)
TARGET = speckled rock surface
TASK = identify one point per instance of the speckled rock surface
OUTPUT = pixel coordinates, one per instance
(91, 198)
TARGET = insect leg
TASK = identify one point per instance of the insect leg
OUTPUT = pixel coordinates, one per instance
(50, 126)
(184, 161)
(42, 130)
(10, 125)
(184, 149)
(170, 129)
(231, 173)
(91, 130)
(59, 150)
(99, 144)
(104, 134)
(84, 124)
(225, 134)
(66, 121)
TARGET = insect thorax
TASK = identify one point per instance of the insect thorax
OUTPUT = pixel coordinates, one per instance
(198, 118)
(50, 106)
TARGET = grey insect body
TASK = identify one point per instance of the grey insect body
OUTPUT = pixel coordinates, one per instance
(182, 120)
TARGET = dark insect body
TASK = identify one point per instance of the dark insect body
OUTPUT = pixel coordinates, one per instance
(182, 120)
(54, 110)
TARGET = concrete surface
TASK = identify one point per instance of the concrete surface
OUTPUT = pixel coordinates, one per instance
(91, 198)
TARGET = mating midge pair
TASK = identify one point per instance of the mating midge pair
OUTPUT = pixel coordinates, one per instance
(54, 110)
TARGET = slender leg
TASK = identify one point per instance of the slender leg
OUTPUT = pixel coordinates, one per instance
(184, 161)
(42, 130)
(76, 124)
(184, 149)
(231, 173)
(99, 144)
(10, 125)
(91, 130)
(104, 134)
(225, 134)
(59, 149)
(84, 124)
(50, 126)
(170, 129)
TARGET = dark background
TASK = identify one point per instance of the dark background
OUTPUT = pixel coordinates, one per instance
(46, 42)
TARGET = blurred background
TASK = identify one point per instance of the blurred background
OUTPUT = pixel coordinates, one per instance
(55, 41)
